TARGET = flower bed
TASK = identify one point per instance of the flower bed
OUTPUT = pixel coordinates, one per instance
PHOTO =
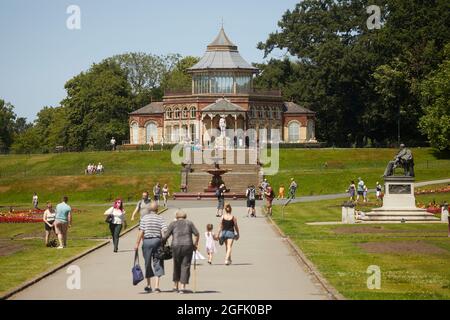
(430, 191)
(23, 216)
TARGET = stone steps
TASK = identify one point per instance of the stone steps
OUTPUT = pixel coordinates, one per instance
(399, 215)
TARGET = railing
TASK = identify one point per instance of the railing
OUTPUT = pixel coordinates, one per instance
(254, 91)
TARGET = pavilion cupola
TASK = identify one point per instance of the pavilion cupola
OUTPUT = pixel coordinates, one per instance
(222, 70)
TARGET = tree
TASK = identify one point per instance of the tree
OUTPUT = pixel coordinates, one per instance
(97, 105)
(435, 94)
(7, 125)
(179, 79)
(145, 72)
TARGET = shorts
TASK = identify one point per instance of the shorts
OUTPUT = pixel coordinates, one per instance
(360, 193)
(48, 228)
(227, 234)
(60, 227)
(221, 203)
(250, 203)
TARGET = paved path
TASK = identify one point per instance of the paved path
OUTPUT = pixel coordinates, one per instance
(263, 268)
(208, 203)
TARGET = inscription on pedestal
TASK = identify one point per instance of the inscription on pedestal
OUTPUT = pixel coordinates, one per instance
(400, 189)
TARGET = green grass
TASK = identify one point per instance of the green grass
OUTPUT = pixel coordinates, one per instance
(129, 173)
(33, 259)
(344, 165)
(343, 262)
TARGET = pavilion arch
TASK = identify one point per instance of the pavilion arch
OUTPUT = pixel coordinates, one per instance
(293, 131)
(169, 113)
(134, 134)
(151, 131)
(185, 114)
(176, 113)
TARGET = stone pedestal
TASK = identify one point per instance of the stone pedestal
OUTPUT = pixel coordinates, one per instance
(348, 215)
(399, 203)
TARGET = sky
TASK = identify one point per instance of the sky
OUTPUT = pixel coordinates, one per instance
(38, 53)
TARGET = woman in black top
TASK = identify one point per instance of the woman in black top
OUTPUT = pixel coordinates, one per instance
(228, 231)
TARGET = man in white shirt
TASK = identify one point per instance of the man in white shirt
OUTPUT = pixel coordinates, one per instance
(113, 143)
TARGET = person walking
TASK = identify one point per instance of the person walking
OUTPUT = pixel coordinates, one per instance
(151, 144)
(183, 247)
(63, 221)
(49, 220)
(250, 193)
(352, 190)
(360, 189)
(117, 213)
(220, 193)
(157, 192)
(35, 201)
(292, 189)
(113, 144)
(228, 231)
(444, 213)
(165, 194)
(143, 206)
(378, 191)
(269, 195)
(152, 228)
(365, 193)
(281, 192)
(263, 187)
(210, 242)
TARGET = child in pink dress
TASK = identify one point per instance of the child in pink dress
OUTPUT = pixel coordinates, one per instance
(210, 242)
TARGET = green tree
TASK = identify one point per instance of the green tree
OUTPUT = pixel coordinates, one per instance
(97, 105)
(178, 79)
(7, 125)
(145, 72)
(435, 94)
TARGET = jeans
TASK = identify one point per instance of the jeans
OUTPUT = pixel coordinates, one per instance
(153, 266)
(115, 233)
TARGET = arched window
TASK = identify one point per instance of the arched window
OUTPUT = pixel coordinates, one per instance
(252, 112)
(260, 112)
(294, 131)
(311, 134)
(185, 113)
(151, 131)
(176, 113)
(169, 113)
(134, 133)
(193, 112)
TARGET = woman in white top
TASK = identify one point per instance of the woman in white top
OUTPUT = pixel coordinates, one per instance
(117, 213)
(49, 220)
(165, 194)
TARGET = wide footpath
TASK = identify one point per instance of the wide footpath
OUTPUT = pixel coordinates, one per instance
(264, 267)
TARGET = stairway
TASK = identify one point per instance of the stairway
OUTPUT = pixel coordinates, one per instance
(241, 162)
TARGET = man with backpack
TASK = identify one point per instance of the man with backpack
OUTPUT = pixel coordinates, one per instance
(250, 193)
(292, 188)
(220, 194)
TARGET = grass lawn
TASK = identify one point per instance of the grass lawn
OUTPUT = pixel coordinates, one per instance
(128, 173)
(344, 165)
(414, 258)
(24, 256)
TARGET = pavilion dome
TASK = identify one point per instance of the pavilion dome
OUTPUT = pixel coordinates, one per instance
(222, 54)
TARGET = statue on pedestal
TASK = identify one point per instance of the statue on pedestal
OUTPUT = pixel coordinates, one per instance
(404, 159)
(223, 126)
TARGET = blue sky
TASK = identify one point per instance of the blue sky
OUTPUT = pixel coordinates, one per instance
(38, 53)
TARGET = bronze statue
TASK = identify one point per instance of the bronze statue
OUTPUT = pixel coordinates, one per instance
(404, 159)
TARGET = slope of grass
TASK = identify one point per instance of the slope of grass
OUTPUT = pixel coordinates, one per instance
(308, 167)
(337, 252)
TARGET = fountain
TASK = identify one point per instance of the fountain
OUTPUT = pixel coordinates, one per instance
(216, 180)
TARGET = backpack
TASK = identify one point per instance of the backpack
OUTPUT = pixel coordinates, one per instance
(251, 194)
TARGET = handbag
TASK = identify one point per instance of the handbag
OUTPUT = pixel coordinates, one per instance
(164, 253)
(138, 276)
(109, 218)
(221, 238)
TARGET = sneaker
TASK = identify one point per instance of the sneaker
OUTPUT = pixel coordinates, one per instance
(60, 247)
(157, 290)
(181, 291)
(148, 289)
(227, 262)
